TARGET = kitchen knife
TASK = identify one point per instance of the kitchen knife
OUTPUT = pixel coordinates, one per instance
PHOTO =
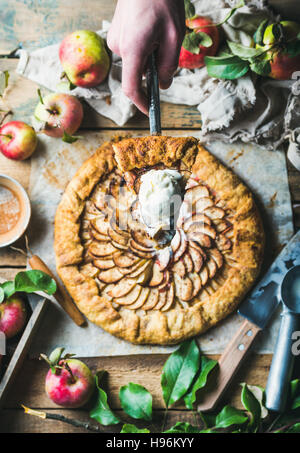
(257, 311)
(153, 95)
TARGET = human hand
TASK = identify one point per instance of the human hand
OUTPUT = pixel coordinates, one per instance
(138, 28)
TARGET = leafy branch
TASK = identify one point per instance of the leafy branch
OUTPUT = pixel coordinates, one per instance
(185, 373)
(28, 282)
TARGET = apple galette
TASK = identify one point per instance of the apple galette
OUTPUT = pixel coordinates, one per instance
(156, 240)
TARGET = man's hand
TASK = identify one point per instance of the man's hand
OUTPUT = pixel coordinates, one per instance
(138, 28)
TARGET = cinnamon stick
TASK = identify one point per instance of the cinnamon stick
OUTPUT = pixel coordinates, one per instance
(61, 295)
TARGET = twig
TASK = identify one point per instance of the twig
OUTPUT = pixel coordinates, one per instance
(283, 428)
(62, 418)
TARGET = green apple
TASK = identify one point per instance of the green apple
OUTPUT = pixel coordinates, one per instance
(84, 58)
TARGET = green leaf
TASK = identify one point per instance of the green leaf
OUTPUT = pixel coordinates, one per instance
(128, 428)
(55, 356)
(232, 12)
(261, 67)
(179, 371)
(183, 427)
(136, 401)
(101, 411)
(230, 416)
(70, 138)
(189, 9)
(2, 295)
(230, 68)
(31, 281)
(294, 394)
(260, 395)
(294, 429)
(277, 31)
(244, 52)
(192, 41)
(4, 77)
(252, 405)
(206, 366)
(259, 34)
(8, 289)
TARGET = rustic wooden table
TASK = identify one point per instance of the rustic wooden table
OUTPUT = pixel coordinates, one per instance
(37, 23)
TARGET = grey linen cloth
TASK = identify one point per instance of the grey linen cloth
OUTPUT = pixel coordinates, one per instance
(251, 109)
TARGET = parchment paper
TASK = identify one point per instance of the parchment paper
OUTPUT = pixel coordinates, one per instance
(54, 165)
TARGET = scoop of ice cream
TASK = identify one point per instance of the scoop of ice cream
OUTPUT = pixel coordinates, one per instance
(160, 198)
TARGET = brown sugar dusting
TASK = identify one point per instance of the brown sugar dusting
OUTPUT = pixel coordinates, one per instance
(10, 210)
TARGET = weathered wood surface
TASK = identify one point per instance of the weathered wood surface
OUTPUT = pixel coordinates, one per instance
(38, 23)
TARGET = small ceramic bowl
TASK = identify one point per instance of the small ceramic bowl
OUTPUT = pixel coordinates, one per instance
(15, 192)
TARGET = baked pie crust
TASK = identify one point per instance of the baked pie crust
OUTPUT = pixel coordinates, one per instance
(127, 283)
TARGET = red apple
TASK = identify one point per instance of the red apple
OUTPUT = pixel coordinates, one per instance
(59, 113)
(13, 316)
(69, 382)
(84, 58)
(198, 24)
(18, 140)
(283, 65)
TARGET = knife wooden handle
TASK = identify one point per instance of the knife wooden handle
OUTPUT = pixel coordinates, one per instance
(61, 295)
(229, 363)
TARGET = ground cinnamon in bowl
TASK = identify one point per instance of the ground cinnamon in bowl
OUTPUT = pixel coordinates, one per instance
(14, 210)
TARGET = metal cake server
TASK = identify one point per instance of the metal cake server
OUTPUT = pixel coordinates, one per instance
(281, 370)
(153, 95)
(257, 311)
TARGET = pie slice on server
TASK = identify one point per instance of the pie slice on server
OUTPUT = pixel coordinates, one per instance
(129, 283)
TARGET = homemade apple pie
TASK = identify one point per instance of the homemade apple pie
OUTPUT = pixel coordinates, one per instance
(148, 270)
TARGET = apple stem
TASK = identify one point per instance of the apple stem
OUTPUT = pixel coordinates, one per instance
(70, 371)
(62, 418)
(7, 136)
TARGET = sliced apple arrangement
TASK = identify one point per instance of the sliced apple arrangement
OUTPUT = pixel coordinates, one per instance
(132, 269)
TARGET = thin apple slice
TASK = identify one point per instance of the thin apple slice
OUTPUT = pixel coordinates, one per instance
(202, 204)
(223, 242)
(141, 268)
(166, 281)
(130, 298)
(197, 284)
(170, 298)
(196, 218)
(152, 300)
(141, 300)
(202, 228)
(146, 275)
(202, 239)
(184, 288)
(204, 275)
(196, 246)
(212, 267)
(214, 212)
(98, 236)
(136, 246)
(182, 248)
(197, 258)
(122, 288)
(176, 241)
(162, 300)
(196, 192)
(125, 260)
(101, 225)
(116, 237)
(101, 249)
(164, 257)
(188, 262)
(138, 252)
(112, 275)
(141, 237)
(179, 268)
(103, 264)
(217, 257)
(157, 276)
(129, 270)
(191, 183)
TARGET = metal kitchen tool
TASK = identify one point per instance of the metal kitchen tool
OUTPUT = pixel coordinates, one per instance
(153, 95)
(281, 370)
(257, 309)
